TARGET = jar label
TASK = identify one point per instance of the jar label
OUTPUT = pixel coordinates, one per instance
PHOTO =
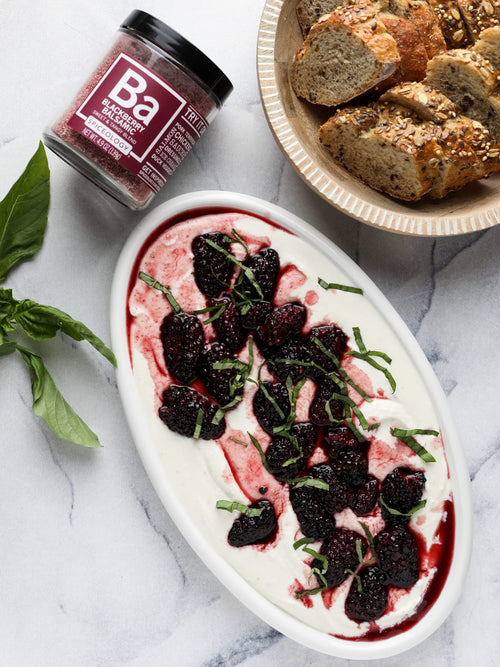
(139, 120)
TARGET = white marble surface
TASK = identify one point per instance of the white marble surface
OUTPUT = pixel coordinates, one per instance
(92, 569)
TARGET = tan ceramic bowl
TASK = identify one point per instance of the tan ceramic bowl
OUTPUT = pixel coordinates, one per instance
(295, 124)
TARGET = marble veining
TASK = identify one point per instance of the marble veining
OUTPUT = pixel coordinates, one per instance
(93, 570)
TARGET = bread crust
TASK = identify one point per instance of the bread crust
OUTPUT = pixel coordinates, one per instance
(447, 13)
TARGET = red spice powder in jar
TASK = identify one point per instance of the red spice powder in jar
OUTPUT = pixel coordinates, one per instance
(140, 112)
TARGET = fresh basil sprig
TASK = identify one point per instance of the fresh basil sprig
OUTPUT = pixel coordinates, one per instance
(23, 220)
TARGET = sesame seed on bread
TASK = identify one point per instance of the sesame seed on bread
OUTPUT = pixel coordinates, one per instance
(426, 102)
(478, 15)
(391, 149)
(451, 23)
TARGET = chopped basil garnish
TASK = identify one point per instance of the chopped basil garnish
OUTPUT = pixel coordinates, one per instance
(236, 238)
(233, 505)
(357, 577)
(297, 482)
(303, 540)
(239, 442)
(166, 290)
(219, 309)
(338, 286)
(199, 423)
(369, 537)
(406, 436)
(367, 355)
(272, 400)
(318, 572)
(257, 446)
(237, 382)
(411, 512)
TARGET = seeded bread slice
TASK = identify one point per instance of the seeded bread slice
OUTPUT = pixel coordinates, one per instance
(426, 102)
(344, 55)
(470, 81)
(395, 156)
(391, 149)
(463, 143)
(488, 45)
(451, 23)
(309, 12)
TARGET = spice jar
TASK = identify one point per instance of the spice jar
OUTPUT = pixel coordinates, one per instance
(144, 107)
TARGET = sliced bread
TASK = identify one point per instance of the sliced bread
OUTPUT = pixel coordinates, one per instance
(488, 45)
(398, 157)
(391, 149)
(470, 81)
(309, 12)
(345, 54)
(426, 102)
(464, 143)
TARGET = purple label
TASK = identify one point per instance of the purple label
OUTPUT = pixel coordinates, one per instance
(139, 120)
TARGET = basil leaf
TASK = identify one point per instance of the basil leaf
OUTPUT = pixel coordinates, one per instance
(6, 346)
(7, 303)
(49, 404)
(41, 322)
(23, 214)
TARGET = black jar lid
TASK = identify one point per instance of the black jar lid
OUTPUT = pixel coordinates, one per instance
(169, 40)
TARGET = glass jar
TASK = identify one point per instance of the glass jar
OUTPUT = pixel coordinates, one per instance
(150, 99)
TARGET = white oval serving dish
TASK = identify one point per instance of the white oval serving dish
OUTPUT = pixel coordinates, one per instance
(152, 460)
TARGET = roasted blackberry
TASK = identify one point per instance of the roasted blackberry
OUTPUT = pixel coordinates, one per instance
(293, 350)
(254, 316)
(332, 339)
(314, 514)
(282, 323)
(397, 556)
(282, 449)
(265, 410)
(253, 529)
(183, 340)
(339, 438)
(181, 409)
(368, 596)
(401, 491)
(339, 549)
(318, 410)
(363, 498)
(228, 325)
(348, 456)
(265, 266)
(212, 268)
(218, 380)
(336, 496)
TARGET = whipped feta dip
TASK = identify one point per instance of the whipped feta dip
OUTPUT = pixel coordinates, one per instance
(202, 472)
